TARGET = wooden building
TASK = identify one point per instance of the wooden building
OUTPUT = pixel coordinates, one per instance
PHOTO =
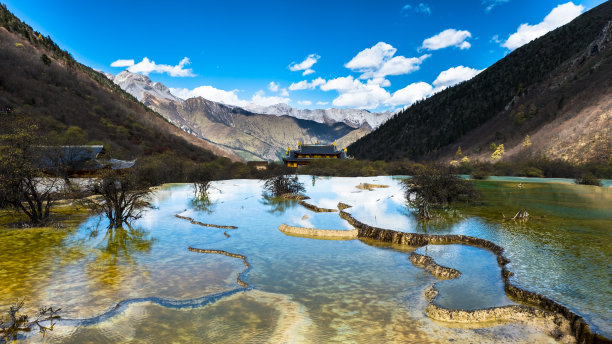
(306, 153)
(76, 161)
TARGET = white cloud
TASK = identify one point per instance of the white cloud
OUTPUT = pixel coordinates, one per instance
(227, 97)
(122, 63)
(259, 99)
(304, 102)
(305, 84)
(380, 82)
(371, 94)
(210, 93)
(362, 97)
(378, 62)
(371, 58)
(448, 38)
(147, 66)
(453, 76)
(305, 65)
(421, 7)
(356, 94)
(410, 94)
(560, 15)
(495, 39)
(492, 3)
(284, 92)
(273, 86)
(343, 83)
(396, 66)
(322, 103)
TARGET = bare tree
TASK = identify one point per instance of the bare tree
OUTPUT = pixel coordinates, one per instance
(120, 196)
(23, 185)
(14, 323)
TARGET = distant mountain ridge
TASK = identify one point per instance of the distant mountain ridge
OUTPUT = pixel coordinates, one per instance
(353, 117)
(551, 97)
(251, 135)
(137, 85)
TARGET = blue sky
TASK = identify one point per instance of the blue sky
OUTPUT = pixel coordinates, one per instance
(376, 55)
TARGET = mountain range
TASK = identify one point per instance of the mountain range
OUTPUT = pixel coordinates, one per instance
(255, 133)
(549, 98)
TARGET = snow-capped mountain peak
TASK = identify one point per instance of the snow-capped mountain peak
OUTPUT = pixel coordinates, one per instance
(137, 85)
(353, 117)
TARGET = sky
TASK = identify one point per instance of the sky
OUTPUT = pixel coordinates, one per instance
(379, 55)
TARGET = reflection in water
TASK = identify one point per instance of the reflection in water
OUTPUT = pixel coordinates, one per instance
(277, 205)
(203, 203)
(116, 248)
(349, 290)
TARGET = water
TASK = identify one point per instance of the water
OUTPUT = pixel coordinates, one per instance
(301, 289)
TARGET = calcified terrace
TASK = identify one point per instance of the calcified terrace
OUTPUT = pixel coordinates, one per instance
(537, 307)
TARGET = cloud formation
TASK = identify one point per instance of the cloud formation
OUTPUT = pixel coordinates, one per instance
(305, 65)
(560, 15)
(305, 84)
(453, 76)
(122, 63)
(273, 86)
(228, 97)
(420, 8)
(492, 3)
(410, 94)
(146, 66)
(379, 61)
(448, 38)
(304, 102)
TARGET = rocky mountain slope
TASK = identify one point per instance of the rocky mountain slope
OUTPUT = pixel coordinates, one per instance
(137, 85)
(556, 89)
(74, 104)
(250, 135)
(352, 117)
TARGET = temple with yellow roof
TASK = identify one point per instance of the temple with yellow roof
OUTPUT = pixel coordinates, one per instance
(306, 153)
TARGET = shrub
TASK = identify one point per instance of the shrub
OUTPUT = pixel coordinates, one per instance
(480, 174)
(531, 171)
(587, 179)
(436, 187)
(283, 185)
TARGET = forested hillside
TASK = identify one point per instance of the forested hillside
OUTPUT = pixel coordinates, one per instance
(557, 89)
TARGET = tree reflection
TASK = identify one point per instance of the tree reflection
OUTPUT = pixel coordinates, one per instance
(202, 202)
(117, 249)
(441, 223)
(278, 205)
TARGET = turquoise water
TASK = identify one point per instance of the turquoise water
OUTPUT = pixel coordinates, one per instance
(606, 183)
(300, 289)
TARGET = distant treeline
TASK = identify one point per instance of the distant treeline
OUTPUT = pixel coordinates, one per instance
(169, 168)
(539, 167)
